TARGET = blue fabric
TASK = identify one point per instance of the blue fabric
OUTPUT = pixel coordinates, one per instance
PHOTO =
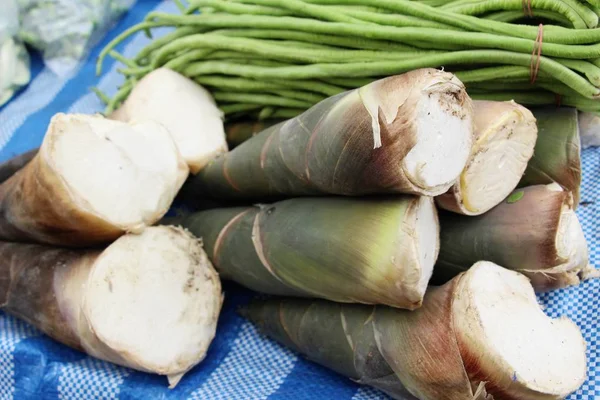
(241, 364)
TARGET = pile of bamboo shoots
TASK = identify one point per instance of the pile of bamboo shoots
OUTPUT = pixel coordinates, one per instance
(347, 214)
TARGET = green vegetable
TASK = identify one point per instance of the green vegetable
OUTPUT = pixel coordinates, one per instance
(334, 42)
(375, 251)
(475, 338)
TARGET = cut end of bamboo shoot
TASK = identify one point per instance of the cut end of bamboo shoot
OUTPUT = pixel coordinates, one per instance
(505, 137)
(444, 128)
(184, 108)
(153, 300)
(127, 174)
(507, 340)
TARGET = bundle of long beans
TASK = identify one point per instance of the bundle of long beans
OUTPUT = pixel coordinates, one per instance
(275, 58)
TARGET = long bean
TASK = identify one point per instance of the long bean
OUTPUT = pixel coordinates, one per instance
(564, 7)
(269, 49)
(274, 58)
(515, 15)
(560, 72)
(351, 15)
(492, 73)
(309, 37)
(591, 71)
(580, 20)
(303, 8)
(402, 35)
(238, 107)
(255, 85)
(552, 34)
(264, 99)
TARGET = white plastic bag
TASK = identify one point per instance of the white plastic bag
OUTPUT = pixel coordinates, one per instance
(14, 60)
(65, 30)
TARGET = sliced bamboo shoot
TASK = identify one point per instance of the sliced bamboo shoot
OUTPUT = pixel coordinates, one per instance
(92, 180)
(410, 133)
(505, 135)
(185, 108)
(534, 231)
(481, 336)
(376, 251)
(148, 301)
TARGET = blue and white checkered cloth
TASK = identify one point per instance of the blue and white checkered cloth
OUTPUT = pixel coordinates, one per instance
(241, 365)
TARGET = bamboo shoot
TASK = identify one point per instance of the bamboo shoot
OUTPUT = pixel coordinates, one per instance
(375, 251)
(184, 108)
(410, 133)
(482, 336)
(92, 180)
(148, 302)
(534, 231)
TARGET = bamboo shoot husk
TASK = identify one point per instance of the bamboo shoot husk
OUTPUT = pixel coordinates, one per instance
(148, 302)
(11, 166)
(375, 251)
(557, 153)
(481, 336)
(534, 231)
(410, 133)
(505, 135)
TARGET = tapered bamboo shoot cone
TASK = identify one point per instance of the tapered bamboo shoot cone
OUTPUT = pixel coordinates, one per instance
(534, 231)
(92, 180)
(185, 108)
(410, 133)
(148, 301)
(557, 154)
(376, 251)
(480, 336)
(505, 135)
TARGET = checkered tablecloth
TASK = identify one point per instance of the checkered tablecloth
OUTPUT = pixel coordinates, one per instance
(241, 365)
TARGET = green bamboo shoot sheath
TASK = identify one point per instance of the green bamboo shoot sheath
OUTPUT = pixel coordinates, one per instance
(557, 151)
(375, 250)
(481, 332)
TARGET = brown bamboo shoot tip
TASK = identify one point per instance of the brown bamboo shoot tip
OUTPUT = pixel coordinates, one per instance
(505, 136)
(505, 338)
(185, 108)
(127, 174)
(440, 112)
